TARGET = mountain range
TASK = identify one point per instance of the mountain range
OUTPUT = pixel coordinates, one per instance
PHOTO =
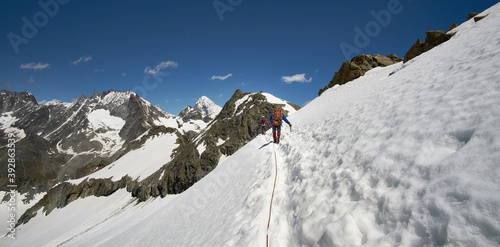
(60, 140)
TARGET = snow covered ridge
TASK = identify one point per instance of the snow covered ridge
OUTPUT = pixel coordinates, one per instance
(406, 155)
(287, 106)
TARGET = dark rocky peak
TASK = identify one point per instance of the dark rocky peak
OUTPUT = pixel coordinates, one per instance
(12, 101)
(95, 94)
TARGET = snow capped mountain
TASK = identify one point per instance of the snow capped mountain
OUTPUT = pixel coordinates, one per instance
(207, 107)
(76, 137)
(204, 109)
(406, 155)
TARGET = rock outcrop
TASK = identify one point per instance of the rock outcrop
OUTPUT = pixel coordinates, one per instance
(433, 39)
(358, 66)
(64, 193)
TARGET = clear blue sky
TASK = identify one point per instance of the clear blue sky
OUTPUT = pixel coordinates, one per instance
(173, 52)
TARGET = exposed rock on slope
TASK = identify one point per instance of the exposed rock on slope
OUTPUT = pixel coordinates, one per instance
(358, 66)
(433, 39)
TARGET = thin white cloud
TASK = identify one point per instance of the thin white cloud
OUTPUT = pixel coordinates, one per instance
(98, 70)
(124, 74)
(221, 77)
(31, 80)
(83, 59)
(35, 66)
(6, 86)
(166, 101)
(161, 66)
(296, 78)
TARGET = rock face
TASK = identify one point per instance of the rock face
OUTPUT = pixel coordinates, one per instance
(64, 193)
(358, 66)
(433, 39)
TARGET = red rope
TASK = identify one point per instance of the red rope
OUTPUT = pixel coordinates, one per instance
(272, 196)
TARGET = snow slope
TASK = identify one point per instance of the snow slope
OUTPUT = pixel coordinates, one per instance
(139, 163)
(406, 155)
(275, 100)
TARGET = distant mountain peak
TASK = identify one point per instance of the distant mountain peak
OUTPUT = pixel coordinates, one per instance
(207, 107)
(204, 109)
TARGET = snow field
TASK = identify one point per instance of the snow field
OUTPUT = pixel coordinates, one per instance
(102, 119)
(408, 159)
(230, 207)
(6, 121)
(110, 139)
(139, 163)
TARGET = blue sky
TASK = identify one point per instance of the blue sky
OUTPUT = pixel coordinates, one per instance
(173, 52)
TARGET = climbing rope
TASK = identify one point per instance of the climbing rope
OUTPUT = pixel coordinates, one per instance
(272, 196)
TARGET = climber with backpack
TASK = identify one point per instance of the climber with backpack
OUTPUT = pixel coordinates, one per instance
(276, 119)
(263, 125)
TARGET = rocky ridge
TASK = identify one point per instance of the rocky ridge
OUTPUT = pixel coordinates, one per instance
(360, 64)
